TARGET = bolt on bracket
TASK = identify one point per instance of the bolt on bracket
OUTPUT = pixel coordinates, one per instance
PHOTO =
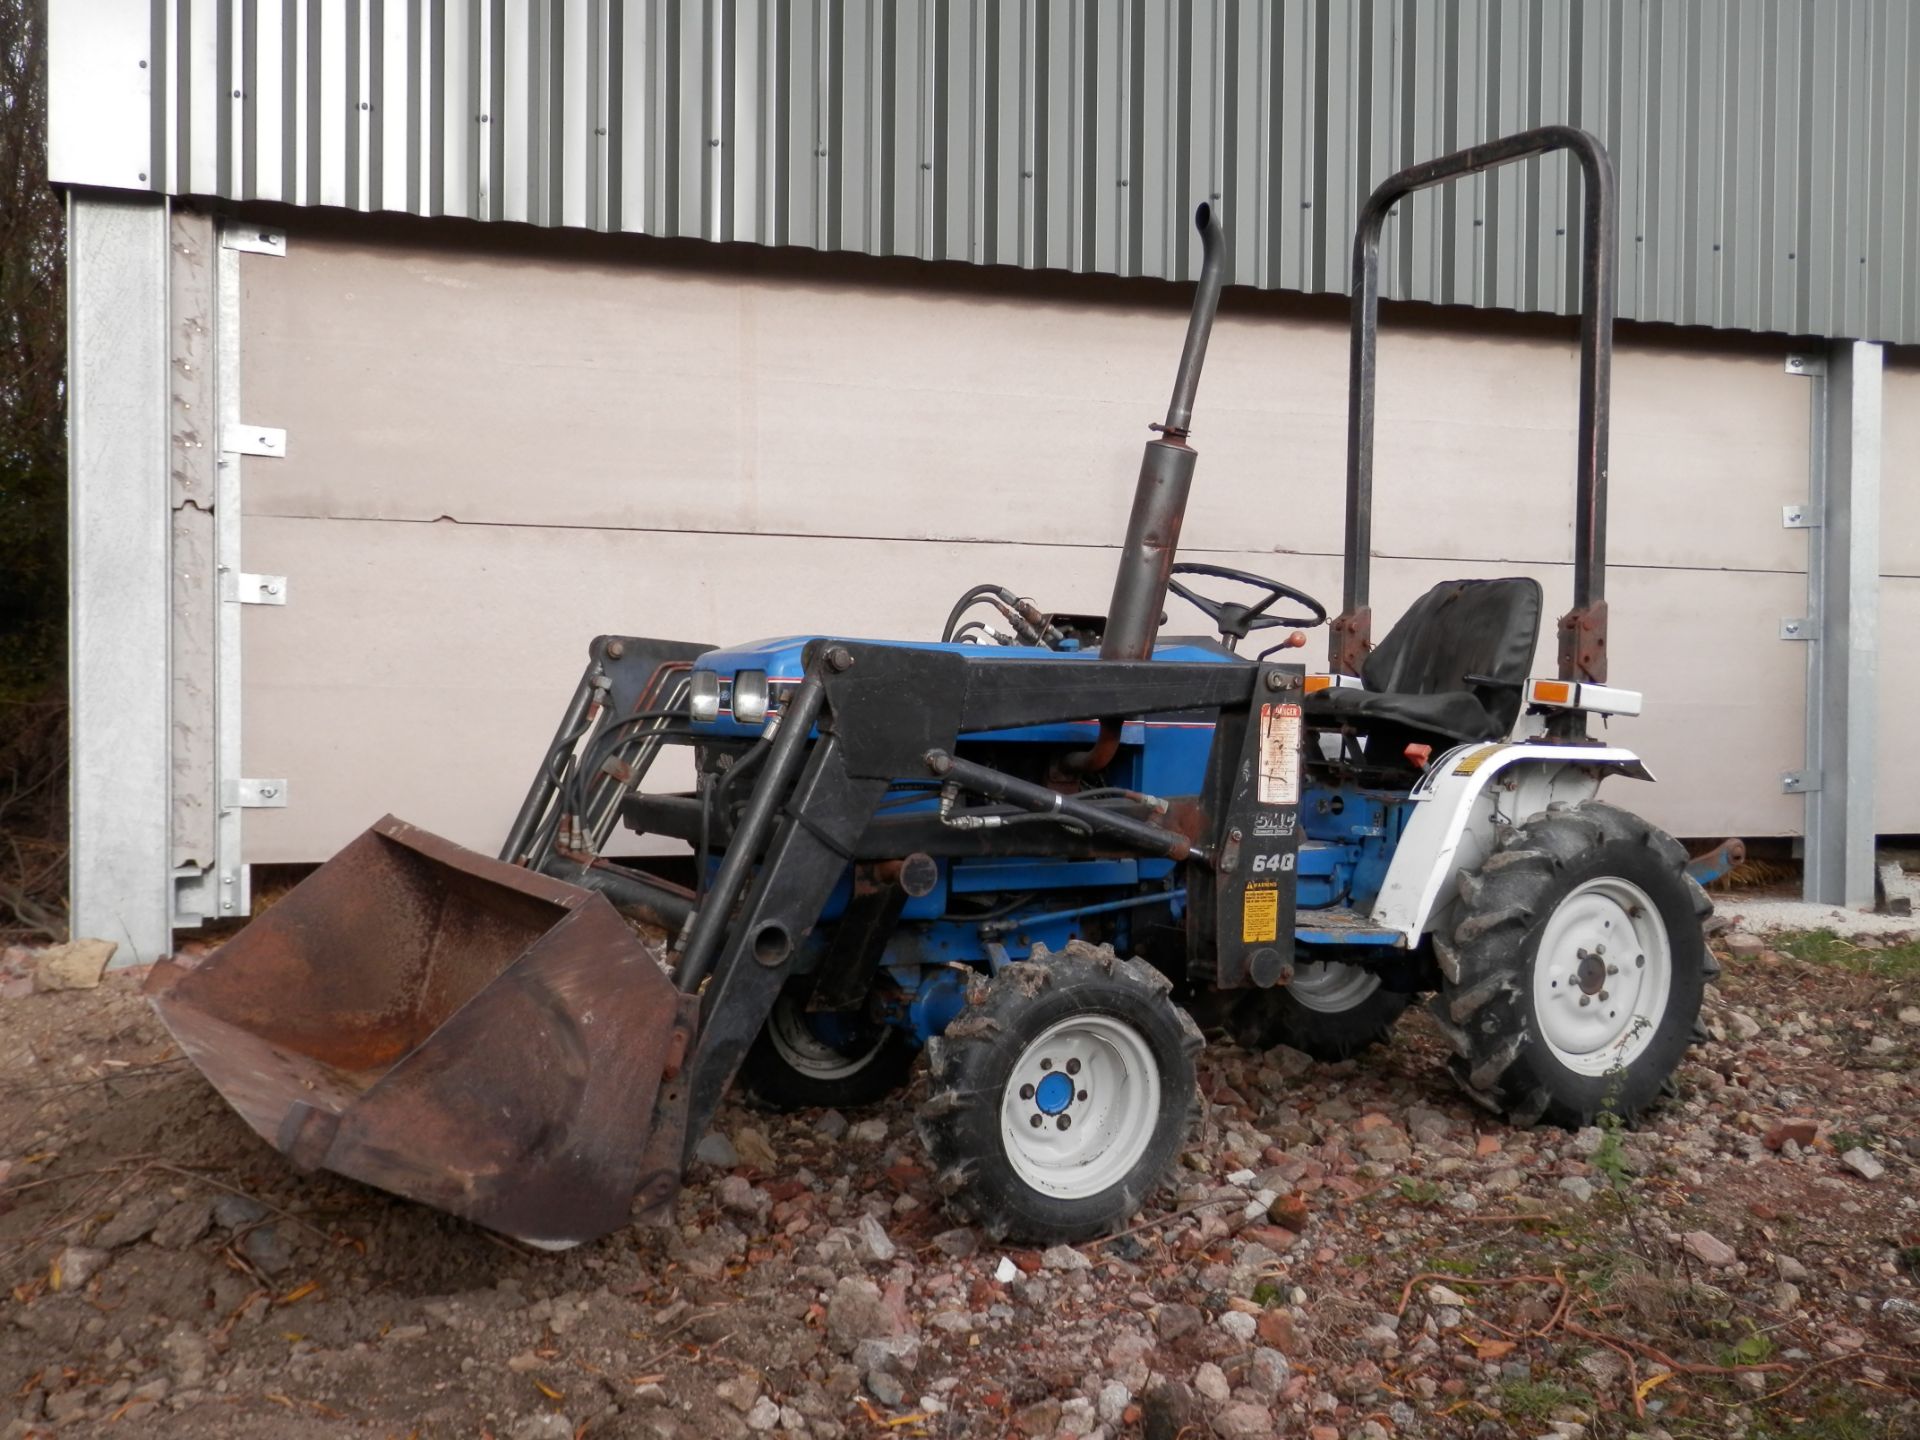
(254, 240)
(1798, 516)
(268, 440)
(1799, 628)
(1806, 364)
(259, 589)
(258, 795)
(1798, 782)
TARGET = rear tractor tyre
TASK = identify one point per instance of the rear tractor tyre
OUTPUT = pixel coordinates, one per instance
(802, 1060)
(1329, 1010)
(1575, 968)
(1062, 1096)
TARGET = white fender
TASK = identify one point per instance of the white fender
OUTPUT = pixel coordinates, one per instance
(1459, 805)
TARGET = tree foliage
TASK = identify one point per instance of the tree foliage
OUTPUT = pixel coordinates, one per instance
(33, 465)
(33, 493)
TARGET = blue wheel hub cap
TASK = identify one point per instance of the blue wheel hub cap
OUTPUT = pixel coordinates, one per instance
(1053, 1094)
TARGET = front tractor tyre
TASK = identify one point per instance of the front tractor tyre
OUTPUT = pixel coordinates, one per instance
(1061, 1097)
(1575, 967)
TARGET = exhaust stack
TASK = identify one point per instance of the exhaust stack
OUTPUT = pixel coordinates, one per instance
(1166, 474)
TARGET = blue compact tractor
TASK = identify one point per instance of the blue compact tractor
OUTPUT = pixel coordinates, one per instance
(1033, 850)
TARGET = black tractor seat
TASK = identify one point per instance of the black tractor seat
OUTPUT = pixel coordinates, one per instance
(1452, 670)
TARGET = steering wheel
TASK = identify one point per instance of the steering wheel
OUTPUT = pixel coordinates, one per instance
(1233, 619)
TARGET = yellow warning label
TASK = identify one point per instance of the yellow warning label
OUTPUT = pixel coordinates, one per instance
(1470, 763)
(1260, 915)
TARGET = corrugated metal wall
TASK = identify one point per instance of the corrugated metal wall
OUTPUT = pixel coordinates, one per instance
(1769, 150)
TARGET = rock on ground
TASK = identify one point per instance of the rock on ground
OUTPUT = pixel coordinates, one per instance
(1709, 1249)
(1861, 1163)
(76, 965)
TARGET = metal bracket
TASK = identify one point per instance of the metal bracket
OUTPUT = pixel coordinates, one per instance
(1798, 782)
(259, 589)
(258, 795)
(1799, 629)
(254, 240)
(268, 440)
(203, 892)
(1798, 516)
(1806, 364)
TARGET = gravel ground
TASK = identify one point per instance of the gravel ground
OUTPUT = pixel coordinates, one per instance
(1776, 917)
(1349, 1251)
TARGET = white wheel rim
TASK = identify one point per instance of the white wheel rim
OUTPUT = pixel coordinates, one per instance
(794, 1041)
(1097, 1074)
(1602, 975)
(1331, 986)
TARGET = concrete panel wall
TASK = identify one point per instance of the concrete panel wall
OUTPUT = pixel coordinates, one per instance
(494, 453)
(1899, 674)
(1900, 467)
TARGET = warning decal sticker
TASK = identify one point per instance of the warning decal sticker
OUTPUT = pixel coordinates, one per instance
(1260, 916)
(1472, 762)
(1279, 755)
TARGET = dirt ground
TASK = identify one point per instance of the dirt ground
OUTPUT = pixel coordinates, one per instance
(1352, 1251)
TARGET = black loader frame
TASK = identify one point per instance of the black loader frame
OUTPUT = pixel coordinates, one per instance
(882, 712)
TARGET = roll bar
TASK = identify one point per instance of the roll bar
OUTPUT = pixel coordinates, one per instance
(1583, 629)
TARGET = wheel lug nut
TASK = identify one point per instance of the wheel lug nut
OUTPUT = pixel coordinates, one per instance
(1064, 1121)
(1073, 1067)
(1613, 969)
(1603, 994)
(1026, 1092)
(1046, 1064)
(1081, 1096)
(1586, 999)
(1037, 1121)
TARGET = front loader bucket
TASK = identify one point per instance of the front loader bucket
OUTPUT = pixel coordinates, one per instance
(470, 1034)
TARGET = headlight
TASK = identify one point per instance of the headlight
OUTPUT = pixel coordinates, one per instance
(703, 695)
(750, 696)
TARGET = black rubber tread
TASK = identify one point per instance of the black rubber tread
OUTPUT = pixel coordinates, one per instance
(969, 1064)
(1262, 1019)
(769, 1081)
(1485, 1006)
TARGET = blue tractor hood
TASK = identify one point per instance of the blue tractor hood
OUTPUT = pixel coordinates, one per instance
(780, 660)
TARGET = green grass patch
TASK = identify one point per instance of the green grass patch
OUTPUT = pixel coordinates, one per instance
(1611, 1157)
(1833, 1416)
(1418, 1192)
(1845, 1140)
(1539, 1399)
(1755, 1349)
(1823, 947)
(1608, 1269)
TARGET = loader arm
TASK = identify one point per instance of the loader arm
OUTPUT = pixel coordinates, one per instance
(868, 714)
